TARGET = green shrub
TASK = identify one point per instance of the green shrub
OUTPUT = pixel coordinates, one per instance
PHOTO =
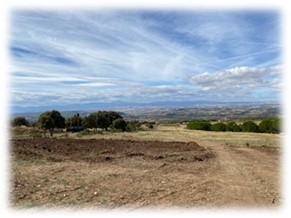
(150, 125)
(119, 124)
(276, 126)
(266, 126)
(19, 121)
(218, 127)
(133, 126)
(85, 132)
(233, 127)
(270, 126)
(199, 125)
(35, 133)
(250, 126)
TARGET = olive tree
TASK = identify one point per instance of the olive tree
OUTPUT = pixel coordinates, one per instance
(50, 120)
(19, 121)
(101, 119)
(75, 120)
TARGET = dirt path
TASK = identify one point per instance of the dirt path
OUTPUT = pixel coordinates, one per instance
(248, 176)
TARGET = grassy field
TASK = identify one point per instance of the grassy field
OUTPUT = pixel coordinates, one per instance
(179, 132)
(173, 132)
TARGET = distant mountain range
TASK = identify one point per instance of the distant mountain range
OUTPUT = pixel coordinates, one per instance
(166, 111)
(124, 105)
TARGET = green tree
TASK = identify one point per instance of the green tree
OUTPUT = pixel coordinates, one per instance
(270, 126)
(266, 126)
(276, 125)
(199, 125)
(119, 124)
(75, 120)
(101, 119)
(50, 120)
(112, 115)
(218, 127)
(106, 118)
(250, 126)
(58, 119)
(20, 121)
(46, 122)
(90, 121)
(233, 127)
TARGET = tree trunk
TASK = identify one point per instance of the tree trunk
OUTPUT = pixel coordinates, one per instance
(51, 132)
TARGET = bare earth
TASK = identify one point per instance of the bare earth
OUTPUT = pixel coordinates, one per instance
(113, 173)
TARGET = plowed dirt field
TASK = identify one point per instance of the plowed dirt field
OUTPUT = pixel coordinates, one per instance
(132, 174)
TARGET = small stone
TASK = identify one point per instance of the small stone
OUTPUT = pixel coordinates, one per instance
(95, 193)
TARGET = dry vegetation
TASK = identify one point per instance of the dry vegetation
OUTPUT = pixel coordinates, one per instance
(178, 132)
(166, 166)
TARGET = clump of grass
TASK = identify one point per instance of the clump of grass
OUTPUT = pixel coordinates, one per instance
(133, 126)
(33, 162)
(35, 134)
(65, 135)
(85, 132)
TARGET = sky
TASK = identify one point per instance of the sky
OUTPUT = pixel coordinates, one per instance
(65, 57)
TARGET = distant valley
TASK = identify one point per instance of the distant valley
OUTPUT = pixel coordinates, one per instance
(218, 111)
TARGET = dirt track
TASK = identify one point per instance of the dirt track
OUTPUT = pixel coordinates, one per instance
(126, 173)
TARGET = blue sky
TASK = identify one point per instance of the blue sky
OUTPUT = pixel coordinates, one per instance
(64, 57)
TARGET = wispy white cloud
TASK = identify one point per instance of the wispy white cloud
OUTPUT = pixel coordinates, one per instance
(108, 55)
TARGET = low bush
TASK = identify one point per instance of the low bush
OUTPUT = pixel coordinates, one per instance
(250, 126)
(133, 126)
(232, 127)
(119, 124)
(35, 133)
(269, 126)
(276, 126)
(150, 125)
(199, 125)
(85, 132)
(218, 127)
(19, 121)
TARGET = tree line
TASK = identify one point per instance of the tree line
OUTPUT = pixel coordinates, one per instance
(268, 125)
(50, 120)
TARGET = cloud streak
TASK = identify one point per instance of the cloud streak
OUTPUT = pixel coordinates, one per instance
(136, 55)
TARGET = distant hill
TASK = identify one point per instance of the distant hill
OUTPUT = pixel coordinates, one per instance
(170, 111)
(124, 105)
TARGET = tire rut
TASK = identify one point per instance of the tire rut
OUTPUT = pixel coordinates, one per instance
(249, 176)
